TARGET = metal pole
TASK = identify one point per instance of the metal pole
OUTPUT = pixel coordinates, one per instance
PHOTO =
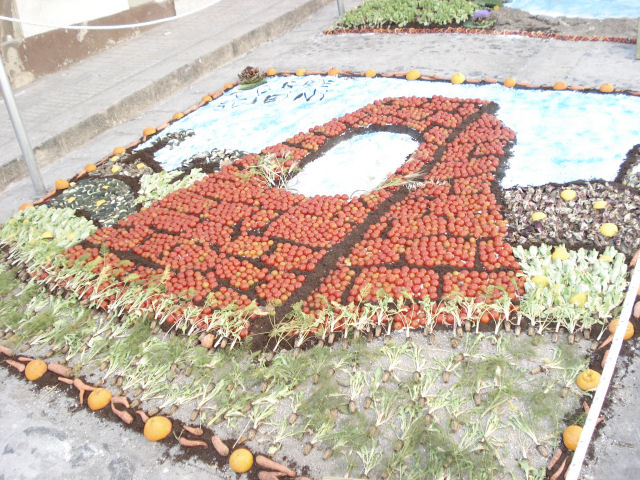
(21, 134)
(340, 7)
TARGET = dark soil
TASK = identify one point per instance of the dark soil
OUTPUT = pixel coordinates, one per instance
(518, 20)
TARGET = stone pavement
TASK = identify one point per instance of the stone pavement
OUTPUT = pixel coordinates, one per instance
(532, 60)
(68, 108)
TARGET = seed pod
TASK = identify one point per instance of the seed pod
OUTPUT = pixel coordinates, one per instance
(137, 392)
(331, 338)
(352, 406)
(119, 381)
(334, 413)
(455, 425)
(247, 407)
(373, 431)
(467, 326)
(327, 454)
(554, 339)
(446, 376)
(507, 327)
(194, 415)
(543, 450)
(367, 403)
(292, 418)
(263, 387)
(397, 445)
(518, 331)
(572, 339)
(104, 365)
(173, 410)
(135, 403)
(331, 372)
(531, 331)
(316, 378)
(455, 342)
(307, 448)
(477, 399)
(378, 330)
(188, 371)
(386, 376)
(252, 434)
(431, 339)
(416, 376)
(422, 402)
(458, 358)
(536, 370)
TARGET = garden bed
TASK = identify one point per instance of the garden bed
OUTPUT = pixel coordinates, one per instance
(501, 21)
(218, 296)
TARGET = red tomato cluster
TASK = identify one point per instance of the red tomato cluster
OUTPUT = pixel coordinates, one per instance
(229, 238)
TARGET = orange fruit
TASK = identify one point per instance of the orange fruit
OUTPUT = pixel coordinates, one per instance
(560, 85)
(333, 71)
(301, 72)
(412, 74)
(606, 88)
(271, 72)
(588, 379)
(148, 131)
(510, 82)
(99, 398)
(571, 435)
(157, 428)
(90, 167)
(35, 369)
(207, 98)
(627, 334)
(118, 150)
(61, 184)
(228, 86)
(370, 73)
(24, 206)
(241, 460)
(177, 116)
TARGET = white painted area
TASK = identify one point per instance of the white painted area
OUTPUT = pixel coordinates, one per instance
(561, 135)
(579, 8)
(354, 166)
(63, 12)
(186, 6)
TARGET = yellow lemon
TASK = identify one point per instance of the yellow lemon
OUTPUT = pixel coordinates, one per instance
(118, 150)
(46, 236)
(333, 72)
(579, 299)
(148, 131)
(510, 82)
(207, 98)
(412, 74)
(560, 253)
(540, 280)
(99, 398)
(241, 460)
(100, 202)
(115, 169)
(271, 72)
(560, 85)
(599, 205)
(538, 216)
(608, 229)
(157, 428)
(228, 86)
(301, 72)
(90, 167)
(458, 78)
(568, 194)
(35, 369)
(370, 73)
(177, 116)
(605, 258)
(140, 166)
